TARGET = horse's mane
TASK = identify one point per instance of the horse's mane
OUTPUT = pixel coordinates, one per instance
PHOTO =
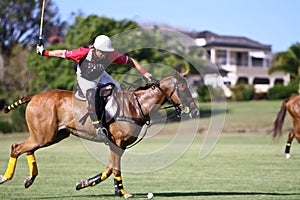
(145, 87)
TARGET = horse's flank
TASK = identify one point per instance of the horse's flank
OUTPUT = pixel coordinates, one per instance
(61, 110)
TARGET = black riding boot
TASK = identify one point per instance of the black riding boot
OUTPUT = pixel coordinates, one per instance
(100, 130)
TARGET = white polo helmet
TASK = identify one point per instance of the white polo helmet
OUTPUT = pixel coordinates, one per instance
(103, 43)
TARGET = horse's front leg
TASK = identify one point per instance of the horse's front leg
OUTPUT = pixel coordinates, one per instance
(288, 144)
(95, 179)
(116, 166)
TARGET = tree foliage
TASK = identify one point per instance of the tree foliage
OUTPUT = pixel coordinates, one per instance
(20, 22)
(288, 61)
(280, 91)
(19, 31)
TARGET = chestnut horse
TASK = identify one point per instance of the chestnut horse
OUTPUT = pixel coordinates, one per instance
(292, 105)
(53, 115)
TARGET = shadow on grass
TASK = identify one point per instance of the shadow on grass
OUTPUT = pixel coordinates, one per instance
(175, 194)
(191, 194)
(204, 113)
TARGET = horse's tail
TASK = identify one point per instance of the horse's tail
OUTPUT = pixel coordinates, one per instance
(17, 103)
(277, 131)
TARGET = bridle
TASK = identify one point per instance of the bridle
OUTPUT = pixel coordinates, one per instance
(169, 99)
(179, 108)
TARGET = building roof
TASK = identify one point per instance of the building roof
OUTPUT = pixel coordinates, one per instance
(212, 39)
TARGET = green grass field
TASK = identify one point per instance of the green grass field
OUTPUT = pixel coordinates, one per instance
(244, 164)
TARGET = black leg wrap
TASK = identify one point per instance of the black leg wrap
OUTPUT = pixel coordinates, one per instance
(97, 179)
(119, 190)
(287, 148)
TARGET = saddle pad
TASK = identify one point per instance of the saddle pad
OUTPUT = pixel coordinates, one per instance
(78, 96)
(111, 108)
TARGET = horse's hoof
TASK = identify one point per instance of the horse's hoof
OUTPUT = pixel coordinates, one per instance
(127, 196)
(81, 184)
(28, 181)
(2, 179)
(287, 156)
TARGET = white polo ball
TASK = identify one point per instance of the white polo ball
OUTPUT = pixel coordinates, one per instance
(150, 195)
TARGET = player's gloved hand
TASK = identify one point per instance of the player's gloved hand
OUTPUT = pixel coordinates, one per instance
(148, 76)
(40, 50)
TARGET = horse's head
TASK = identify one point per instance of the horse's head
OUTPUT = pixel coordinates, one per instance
(179, 94)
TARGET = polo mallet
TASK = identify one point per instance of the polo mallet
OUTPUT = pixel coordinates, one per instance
(41, 25)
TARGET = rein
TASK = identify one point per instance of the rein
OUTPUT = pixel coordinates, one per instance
(168, 97)
(147, 119)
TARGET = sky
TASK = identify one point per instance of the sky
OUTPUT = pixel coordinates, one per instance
(270, 22)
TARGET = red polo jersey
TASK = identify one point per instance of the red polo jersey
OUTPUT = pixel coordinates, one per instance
(81, 52)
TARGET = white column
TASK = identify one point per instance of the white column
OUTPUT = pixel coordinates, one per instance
(228, 57)
(249, 60)
(264, 63)
(213, 56)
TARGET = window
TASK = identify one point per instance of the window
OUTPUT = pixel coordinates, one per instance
(261, 81)
(278, 81)
(257, 62)
(241, 59)
(221, 57)
(242, 80)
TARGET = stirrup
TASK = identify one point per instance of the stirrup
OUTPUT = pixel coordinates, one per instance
(102, 133)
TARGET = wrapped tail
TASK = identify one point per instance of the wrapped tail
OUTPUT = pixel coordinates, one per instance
(17, 103)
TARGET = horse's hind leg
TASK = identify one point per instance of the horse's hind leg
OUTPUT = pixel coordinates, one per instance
(289, 144)
(33, 170)
(9, 171)
(16, 150)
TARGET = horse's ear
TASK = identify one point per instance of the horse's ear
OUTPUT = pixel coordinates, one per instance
(184, 74)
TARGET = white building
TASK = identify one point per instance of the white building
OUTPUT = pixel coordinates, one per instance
(244, 59)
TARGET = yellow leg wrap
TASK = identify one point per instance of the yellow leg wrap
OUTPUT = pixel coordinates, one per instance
(123, 191)
(119, 190)
(10, 168)
(33, 170)
(103, 176)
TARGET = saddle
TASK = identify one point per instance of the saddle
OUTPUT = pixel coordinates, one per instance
(111, 104)
(113, 110)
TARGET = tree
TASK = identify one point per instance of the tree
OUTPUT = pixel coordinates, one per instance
(288, 61)
(19, 27)
(20, 22)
